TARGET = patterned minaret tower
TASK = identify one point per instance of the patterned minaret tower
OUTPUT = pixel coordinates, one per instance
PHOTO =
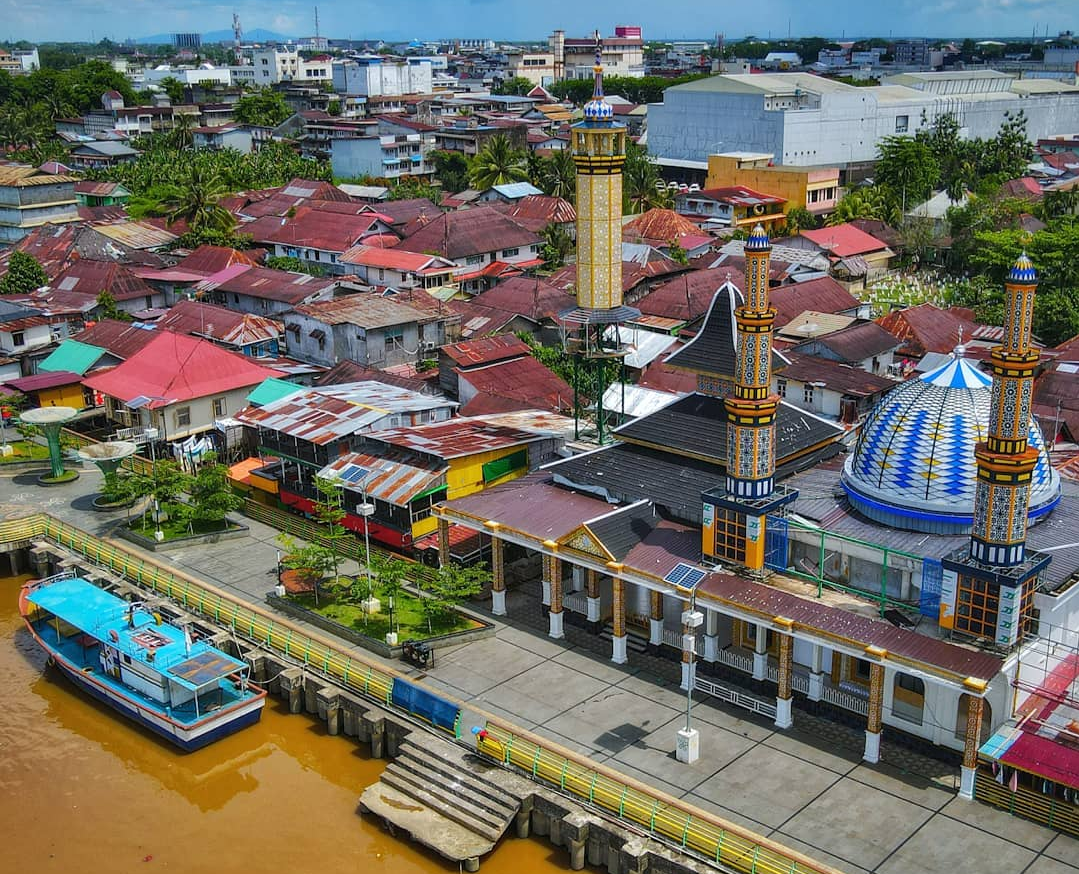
(599, 150)
(987, 590)
(1005, 460)
(751, 410)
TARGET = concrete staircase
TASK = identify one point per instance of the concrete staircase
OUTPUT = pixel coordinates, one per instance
(440, 779)
(635, 641)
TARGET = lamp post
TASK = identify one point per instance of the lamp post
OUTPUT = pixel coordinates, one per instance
(689, 742)
(365, 511)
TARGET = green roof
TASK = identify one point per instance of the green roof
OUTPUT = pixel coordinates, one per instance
(270, 390)
(73, 356)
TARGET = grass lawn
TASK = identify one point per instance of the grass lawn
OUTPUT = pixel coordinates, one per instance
(174, 530)
(407, 616)
(25, 451)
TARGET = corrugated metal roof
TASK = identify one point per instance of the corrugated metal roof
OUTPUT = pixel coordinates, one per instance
(521, 379)
(270, 390)
(323, 415)
(365, 311)
(137, 235)
(456, 438)
(394, 476)
(221, 324)
(73, 356)
(486, 350)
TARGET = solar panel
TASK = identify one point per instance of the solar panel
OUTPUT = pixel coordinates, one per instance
(685, 575)
(352, 473)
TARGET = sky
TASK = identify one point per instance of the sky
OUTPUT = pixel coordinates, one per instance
(69, 20)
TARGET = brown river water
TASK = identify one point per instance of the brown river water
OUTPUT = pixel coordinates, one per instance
(83, 790)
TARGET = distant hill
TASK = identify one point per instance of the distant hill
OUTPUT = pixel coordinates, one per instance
(256, 35)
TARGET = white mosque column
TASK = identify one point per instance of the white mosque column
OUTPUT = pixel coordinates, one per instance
(618, 618)
(876, 705)
(760, 653)
(816, 674)
(785, 675)
(592, 602)
(711, 635)
(655, 619)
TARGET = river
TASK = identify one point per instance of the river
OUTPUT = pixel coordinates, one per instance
(81, 789)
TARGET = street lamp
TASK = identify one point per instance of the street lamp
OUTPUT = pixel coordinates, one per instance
(365, 511)
(689, 742)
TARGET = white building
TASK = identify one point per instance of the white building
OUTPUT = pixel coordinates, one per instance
(281, 64)
(375, 77)
(203, 74)
(806, 120)
(574, 58)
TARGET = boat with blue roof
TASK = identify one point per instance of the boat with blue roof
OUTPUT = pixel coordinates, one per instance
(122, 653)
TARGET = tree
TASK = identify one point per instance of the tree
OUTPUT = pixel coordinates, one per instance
(518, 86)
(329, 511)
(801, 219)
(907, 166)
(497, 163)
(875, 202)
(410, 189)
(24, 274)
(212, 497)
(391, 572)
(196, 201)
(677, 254)
(313, 560)
(642, 185)
(174, 88)
(262, 108)
(558, 175)
(557, 245)
(107, 308)
(182, 135)
(295, 265)
(451, 169)
(453, 584)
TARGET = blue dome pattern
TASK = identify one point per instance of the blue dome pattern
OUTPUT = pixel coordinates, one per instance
(1023, 270)
(913, 465)
(758, 240)
(598, 109)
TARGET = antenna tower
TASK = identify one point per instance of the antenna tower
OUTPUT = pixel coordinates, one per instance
(237, 31)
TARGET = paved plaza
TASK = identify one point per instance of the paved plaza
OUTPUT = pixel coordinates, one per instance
(806, 787)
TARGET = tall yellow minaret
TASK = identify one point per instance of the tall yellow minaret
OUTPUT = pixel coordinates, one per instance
(599, 150)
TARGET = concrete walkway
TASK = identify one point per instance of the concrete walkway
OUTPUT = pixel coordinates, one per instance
(806, 787)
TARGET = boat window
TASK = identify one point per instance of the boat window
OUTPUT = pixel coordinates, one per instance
(127, 659)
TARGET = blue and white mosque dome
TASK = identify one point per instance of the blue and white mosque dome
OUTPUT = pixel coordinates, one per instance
(598, 109)
(913, 466)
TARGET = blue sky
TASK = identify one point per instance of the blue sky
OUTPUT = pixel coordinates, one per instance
(516, 19)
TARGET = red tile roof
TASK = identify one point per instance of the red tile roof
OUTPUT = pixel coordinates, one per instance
(926, 328)
(179, 368)
(660, 226)
(522, 380)
(542, 208)
(487, 350)
(477, 231)
(844, 240)
(40, 381)
(1024, 188)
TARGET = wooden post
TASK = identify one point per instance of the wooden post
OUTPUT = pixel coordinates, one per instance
(498, 576)
(876, 704)
(618, 633)
(553, 570)
(785, 673)
(443, 541)
(655, 630)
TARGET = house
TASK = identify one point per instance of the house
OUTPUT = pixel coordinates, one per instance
(475, 239)
(517, 383)
(23, 331)
(475, 353)
(120, 340)
(734, 206)
(685, 299)
(395, 268)
(101, 153)
(319, 237)
(828, 388)
(644, 267)
(219, 137)
(510, 192)
(536, 211)
(381, 156)
(263, 291)
(30, 198)
(399, 213)
(181, 385)
(350, 371)
(59, 388)
(863, 344)
(73, 356)
(926, 328)
(853, 252)
(535, 299)
(663, 229)
(823, 295)
(91, 279)
(815, 189)
(101, 193)
(250, 335)
(366, 328)
(934, 211)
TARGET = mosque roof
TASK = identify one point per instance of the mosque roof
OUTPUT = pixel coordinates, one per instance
(913, 466)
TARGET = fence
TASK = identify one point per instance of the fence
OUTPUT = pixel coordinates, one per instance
(1049, 811)
(735, 696)
(845, 700)
(708, 836)
(712, 839)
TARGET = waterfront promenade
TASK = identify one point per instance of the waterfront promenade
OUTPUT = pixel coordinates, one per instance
(806, 788)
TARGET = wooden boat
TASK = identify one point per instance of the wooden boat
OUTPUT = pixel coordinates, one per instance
(123, 654)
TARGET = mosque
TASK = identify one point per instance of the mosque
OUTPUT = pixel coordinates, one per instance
(923, 583)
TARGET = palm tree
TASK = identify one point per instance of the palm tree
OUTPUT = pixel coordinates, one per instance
(196, 202)
(557, 244)
(558, 175)
(642, 186)
(182, 136)
(497, 163)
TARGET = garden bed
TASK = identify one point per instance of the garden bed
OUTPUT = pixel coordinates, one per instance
(465, 628)
(177, 534)
(25, 452)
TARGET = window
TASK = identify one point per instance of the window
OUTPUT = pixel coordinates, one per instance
(781, 387)
(381, 273)
(807, 393)
(730, 531)
(219, 407)
(394, 337)
(501, 467)
(908, 698)
(183, 417)
(902, 122)
(18, 338)
(474, 259)
(509, 253)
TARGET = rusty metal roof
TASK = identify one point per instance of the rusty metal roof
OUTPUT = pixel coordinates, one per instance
(323, 415)
(137, 235)
(394, 476)
(364, 310)
(219, 323)
(486, 350)
(456, 438)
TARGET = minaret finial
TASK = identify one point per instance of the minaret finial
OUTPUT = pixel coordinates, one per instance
(597, 91)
